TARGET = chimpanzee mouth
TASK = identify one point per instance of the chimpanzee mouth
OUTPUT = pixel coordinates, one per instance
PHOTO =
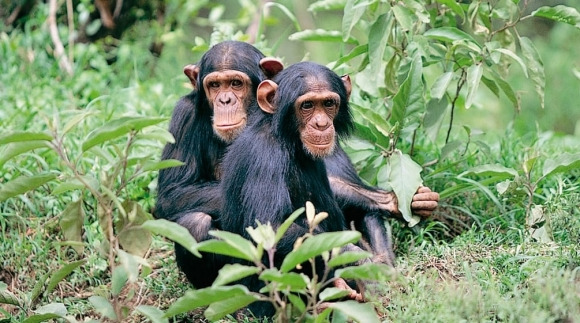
(231, 125)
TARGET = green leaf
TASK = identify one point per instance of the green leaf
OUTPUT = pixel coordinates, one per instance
(61, 274)
(135, 240)
(293, 281)
(297, 302)
(14, 149)
(348, 257)
(359, 312)
(332, 293)
(237, 242)
(286, 224)
(118, 280)
(454, 6)
(367, 271)
(350, 18)
(152, 313)
(405, 17)
(434, 115)
(37, 318)
(52, 308)
(218, 310)
(359, 50)
(491, 85)
(325, 5)
(559, 13)
(233, 272)
(76, 184)
(167, 163)
(495, 170)
(20, 136)
(508, 91)
(222, 248)
(39, 287)
(563, 163)
(193, 299)
(450, 34)
(409, 100)
(75, 120)
(118, 127)
(23, 184)
(404, 178)
(474, 73)
(316, 245)
(7, 297)
(377, 45)
(103, 306)
(173, 231)
(439, 87)
(320, 35)
(71, 223)
(515, 57)
(535, 66)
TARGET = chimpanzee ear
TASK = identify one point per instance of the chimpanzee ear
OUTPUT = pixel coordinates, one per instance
(191, 71)
(265, 96)
(271, 66)
(347, 85)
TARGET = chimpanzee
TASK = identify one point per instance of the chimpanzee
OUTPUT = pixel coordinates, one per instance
(277, 163)
(204, 123)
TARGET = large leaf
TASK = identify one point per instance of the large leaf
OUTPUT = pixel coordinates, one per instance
(238, 243)
(434, 115)
(450, 34)
(404, 178)
(496, 170)
(118, 127)
(453, 5)
(292, 281)
(563, 163)
(348, 257)
(359, 312)
(218, 310)
(61, 274)
(439, 87)
(103, 306)
(152, 313)
(367, 271)
(204, 297)
(173, 231)
(71, 223)
(351, 17)
(320, 35)
(7, 297)
(20, 136)
(474, 73)
(17, 148)
(515, 57)
(535, 66)
(409, 100)
(233, 272)
(378, 38)
(23, 184)
(559, 13)
(316, 245)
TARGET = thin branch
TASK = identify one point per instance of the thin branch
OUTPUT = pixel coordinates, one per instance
(58, 47)
(71, 30)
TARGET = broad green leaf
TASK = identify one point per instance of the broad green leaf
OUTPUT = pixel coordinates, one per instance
(23, 184)
(332, 293)
(222, 248)
(237, 242)
(71, 223)
(405, 17)
(348, 257)
(14, 149)
(61, 274)
(103, 306)
(409, 100)
(173, 231)
(359, 312)
(37, 318)
(367, 271)
(439, 87)
(293, 281)
(263, 235)
(193, 299)
(7, 297)
(233, 272)
(434, 115)
(297, 302)
(474, 73)
(515, 57)
(117, 128)
(508, 91)
(450, 34)
(535, 66)
(39, 286)
(491, 170)
(52, 308)
(563, 163)
(326, 5)
(118, 280)
(559, 13)
(74, 121)
(76, 184)
(320, 35)
(286, 224)
(491, 85)
(351, 17)
(359, 50)
(449, 148)
(453, 5)
(168, 163)
(135, 240)
(316, 245)
(218, 310)
(404, 179)
(378, 37)
(152, 313)
(20, 136)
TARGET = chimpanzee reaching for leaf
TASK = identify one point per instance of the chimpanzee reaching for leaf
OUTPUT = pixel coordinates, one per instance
(277, 163)
(203, 123)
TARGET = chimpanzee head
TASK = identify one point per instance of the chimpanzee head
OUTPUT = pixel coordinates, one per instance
(229, 74)
(309, 103)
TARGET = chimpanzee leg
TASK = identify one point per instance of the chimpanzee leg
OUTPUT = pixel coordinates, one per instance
(376, 237)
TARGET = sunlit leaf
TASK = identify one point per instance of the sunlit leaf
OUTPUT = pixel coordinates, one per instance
(23, 184)
(404, 179)
(535, 66)
(61, 274)
(291, 280)
(495, 170)
(238, 243)
(450, 34)
(405, 17)
(367, 271)
(316, 245)
(18, 148)
(515, 57)
(234, 272)
(71, 223)
(37, 318)
(20, 136)
(439, 87)
(118, 127)
(474, 73)
(359, 312)
(153, 313)
(565, 162)
(173, 231)
(193, 299)
(559, 13)
(103, 306)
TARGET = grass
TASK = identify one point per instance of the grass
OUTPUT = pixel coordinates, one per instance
(473, 262)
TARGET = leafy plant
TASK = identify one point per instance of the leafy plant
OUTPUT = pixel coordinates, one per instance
(294, 295)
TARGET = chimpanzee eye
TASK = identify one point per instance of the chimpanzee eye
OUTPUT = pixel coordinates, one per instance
(329, 103)
(237, 83)
(214, 84)
(307, 105)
